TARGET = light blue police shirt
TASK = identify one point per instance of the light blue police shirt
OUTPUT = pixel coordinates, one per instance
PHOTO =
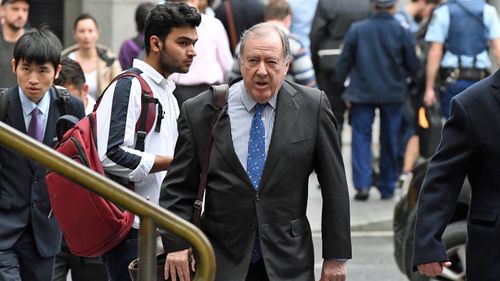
(438, 32)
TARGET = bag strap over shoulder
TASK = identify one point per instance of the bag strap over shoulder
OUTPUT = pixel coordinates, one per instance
(64, 100)
(220, 94)
(148, 107)
(4, 103)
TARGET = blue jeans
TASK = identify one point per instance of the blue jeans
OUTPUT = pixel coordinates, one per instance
(118, 259)
(451, 91)
(362, 116)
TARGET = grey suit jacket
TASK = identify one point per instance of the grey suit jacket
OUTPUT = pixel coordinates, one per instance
(304, 139)
(470, 146)
(24, 202)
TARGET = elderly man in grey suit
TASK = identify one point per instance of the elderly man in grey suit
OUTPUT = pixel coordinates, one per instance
(268, 139)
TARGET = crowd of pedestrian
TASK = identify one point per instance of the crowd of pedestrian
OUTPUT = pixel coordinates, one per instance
(298, 71)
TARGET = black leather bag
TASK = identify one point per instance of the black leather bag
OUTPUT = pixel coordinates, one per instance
(430, 125)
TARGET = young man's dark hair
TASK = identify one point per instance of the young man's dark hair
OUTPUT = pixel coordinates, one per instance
(71, 73)
(34, 46)
(163, 17)
(141, 13)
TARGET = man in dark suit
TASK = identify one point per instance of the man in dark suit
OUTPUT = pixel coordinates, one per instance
(267, 140)
(29, 236)
(470, 146)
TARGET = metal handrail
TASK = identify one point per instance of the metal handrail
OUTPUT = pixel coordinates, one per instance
(149, 213)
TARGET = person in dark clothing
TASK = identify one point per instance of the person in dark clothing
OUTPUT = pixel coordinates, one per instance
(331, 21)
(30, 235)
(238, 16)
(469, 148)
(378, 56)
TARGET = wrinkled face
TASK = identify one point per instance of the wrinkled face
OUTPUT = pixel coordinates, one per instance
(35, 79)
(263, 65)
(86, 34)
(15, 15)
(177, 50)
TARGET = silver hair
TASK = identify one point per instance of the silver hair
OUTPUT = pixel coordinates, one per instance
(262, 29)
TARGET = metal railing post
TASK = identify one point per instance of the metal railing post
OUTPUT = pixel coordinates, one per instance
(147, 250)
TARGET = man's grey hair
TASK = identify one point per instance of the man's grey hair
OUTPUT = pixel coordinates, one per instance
(262, 29)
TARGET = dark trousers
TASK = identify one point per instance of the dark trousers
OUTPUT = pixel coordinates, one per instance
(23, 262)
(118, 259)
(183, 93)
(362, 117)
(82, 269)
(257, 272)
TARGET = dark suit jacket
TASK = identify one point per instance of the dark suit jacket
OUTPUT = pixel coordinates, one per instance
(470, 146)
(304, 139)
(24, 202)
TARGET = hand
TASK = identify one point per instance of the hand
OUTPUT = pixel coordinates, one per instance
(432, 269)
(333, 270)
(429, 97)
(348, 104)
(177, 265)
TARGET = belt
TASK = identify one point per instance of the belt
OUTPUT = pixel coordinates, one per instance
(463, 73)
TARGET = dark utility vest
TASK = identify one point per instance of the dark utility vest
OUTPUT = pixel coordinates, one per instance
(467, 33)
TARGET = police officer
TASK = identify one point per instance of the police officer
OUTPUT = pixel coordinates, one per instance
(464, 28)
(378, 56)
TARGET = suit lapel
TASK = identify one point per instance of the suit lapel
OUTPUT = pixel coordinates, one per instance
(284, 122)
(15, 116)
(221, 134)
(495, 84)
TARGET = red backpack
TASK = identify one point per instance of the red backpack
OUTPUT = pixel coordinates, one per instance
(92, 225)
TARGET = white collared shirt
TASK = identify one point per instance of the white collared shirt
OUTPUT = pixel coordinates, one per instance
(117, 116)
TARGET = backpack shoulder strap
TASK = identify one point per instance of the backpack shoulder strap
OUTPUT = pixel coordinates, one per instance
(4, 103)
(148, 108)
(64, 100)
(220, 93)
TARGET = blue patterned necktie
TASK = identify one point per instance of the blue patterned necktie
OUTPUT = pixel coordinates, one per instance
(256, 147)
(35, 126)
(255, 164)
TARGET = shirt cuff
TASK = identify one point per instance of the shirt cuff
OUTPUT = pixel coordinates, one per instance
(144, 167)
(340, 260)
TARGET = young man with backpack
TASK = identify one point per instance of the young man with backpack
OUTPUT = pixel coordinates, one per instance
(30, 236)
(170, 35)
